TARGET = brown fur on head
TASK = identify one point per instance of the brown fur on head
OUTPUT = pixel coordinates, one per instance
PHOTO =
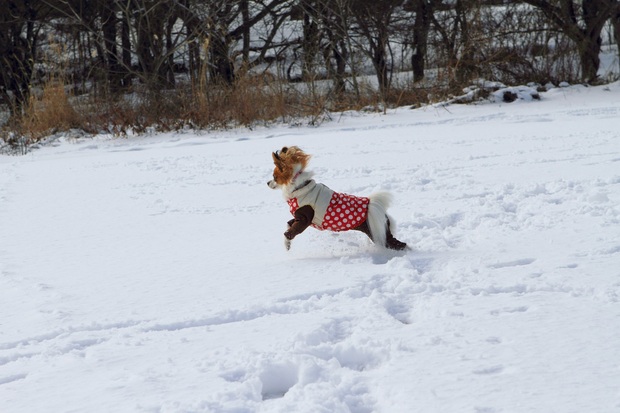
(286, 161)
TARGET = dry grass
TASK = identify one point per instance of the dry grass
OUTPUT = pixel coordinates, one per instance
(49, 113)
(250, 101)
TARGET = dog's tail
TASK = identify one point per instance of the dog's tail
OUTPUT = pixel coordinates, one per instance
(378, 217)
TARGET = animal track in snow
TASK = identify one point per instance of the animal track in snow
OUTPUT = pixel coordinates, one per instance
(489, 370)
(511, 289)
(521, 309)
(14, 357)
(299, 304)
(494, 340)
(335, 340)
(53, 335)
(10, 379)
(515, 263)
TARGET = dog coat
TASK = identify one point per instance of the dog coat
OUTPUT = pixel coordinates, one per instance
(333, 211)
(317, 205)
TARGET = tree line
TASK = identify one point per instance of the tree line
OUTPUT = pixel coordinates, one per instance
(110, 46)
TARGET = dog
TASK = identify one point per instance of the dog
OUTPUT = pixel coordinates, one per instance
(314, 204)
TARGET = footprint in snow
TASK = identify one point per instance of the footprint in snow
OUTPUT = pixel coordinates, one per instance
(277, 379)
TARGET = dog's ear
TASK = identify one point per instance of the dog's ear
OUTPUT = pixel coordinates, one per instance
(276, 160)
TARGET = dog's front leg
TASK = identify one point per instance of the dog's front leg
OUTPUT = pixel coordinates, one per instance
(303, 218)
(287, 241)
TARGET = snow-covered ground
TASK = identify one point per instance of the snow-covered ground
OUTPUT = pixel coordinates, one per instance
(149, 274)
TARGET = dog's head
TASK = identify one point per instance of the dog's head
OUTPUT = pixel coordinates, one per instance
(288, 162)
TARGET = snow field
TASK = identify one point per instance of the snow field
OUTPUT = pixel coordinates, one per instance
(149, 274)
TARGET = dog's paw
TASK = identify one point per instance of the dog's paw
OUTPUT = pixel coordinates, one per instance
(287, 243)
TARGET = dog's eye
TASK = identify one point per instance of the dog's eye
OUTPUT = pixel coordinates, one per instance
(284, 149)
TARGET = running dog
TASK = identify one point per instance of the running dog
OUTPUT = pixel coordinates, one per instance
(314, 204)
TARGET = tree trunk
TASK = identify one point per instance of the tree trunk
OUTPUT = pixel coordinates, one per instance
(340, 55)
(374, 21)
(335, 32)
(615, 21)
(168, 66)
(109, 23)
(152, 47)
(310, 42)
(222, 66)
(590, 61)
(595, 14)
(466, 68)
(126, 45)
(381, 67)
(421, 27)
(245, 17)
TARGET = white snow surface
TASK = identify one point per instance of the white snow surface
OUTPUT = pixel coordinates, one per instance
(149, 274)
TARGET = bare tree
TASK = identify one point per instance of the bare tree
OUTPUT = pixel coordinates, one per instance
(459, 33)
(118, 43)
(20, 24)
(336, 16)
(325, 26)
(374, 21)
(311, 36)
(230, 21)
(582, 22)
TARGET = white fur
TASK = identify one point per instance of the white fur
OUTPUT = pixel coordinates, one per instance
(377, 216)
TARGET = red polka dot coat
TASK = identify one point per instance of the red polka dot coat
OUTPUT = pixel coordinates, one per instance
(334, 211)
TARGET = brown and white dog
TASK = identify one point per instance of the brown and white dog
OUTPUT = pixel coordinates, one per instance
(315, 204)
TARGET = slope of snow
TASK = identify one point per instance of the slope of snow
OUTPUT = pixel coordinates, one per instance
(149, 274)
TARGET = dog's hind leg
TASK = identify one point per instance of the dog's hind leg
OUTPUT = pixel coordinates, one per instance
(391, 242)
(364, 228)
